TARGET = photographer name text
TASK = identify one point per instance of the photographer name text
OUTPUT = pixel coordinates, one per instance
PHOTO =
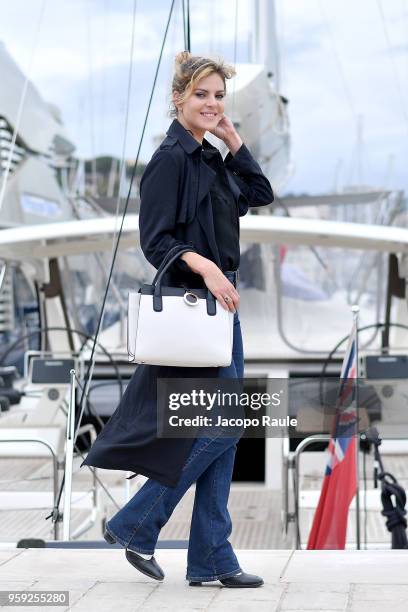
(205, 421)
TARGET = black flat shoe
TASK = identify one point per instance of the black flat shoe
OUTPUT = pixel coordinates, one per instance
(240, 581)
(148, 567)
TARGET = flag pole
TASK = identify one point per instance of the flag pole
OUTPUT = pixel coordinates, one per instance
(355, 310)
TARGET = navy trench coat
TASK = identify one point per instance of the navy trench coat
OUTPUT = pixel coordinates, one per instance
(175, 209)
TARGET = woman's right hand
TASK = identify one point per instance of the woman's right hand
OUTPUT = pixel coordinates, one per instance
(215, 280)
(221, 288)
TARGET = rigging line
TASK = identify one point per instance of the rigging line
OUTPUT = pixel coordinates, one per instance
(21, 103)
(183, 4)
(122, 171)
(105, 11)
(90, 368)
(336, 55)
(188, 27)
(91, 101)
(235, 55)
(174, 44)
(186, 24)
(400, 90)
(89, 373)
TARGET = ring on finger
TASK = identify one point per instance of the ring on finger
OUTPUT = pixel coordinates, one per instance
(227, 298)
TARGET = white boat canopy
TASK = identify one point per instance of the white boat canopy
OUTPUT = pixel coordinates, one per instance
(95, 235)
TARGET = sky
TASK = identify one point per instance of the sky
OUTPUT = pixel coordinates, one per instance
(343, 66)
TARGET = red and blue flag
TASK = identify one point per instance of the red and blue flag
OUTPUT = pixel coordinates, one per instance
(340, 481)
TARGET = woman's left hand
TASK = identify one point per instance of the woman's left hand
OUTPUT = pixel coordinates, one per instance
(226, 131)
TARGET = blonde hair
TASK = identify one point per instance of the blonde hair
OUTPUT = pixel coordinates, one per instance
(189, 69)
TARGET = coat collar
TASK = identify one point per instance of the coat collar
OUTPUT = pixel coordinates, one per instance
(187, 141)
(203, 181)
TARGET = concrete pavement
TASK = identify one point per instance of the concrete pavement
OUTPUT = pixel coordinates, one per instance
(102, 581)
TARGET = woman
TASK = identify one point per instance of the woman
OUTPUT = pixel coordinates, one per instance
(192, 198)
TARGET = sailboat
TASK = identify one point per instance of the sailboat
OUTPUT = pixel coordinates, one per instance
(56, 250)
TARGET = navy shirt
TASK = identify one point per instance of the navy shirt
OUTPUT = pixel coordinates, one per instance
(225, 212)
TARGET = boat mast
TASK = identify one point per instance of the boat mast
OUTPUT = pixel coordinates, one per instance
(264, 46)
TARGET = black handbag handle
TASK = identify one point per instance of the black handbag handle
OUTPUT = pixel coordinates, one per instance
(167, 262)
(165, 265)
(179, 249)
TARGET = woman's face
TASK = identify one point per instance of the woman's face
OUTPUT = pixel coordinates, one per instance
(204, 107)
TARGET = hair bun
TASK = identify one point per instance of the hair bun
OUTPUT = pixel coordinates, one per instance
(182, 57)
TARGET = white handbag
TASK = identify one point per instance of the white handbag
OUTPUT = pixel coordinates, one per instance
(175, 326)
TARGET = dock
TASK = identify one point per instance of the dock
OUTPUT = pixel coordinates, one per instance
(103, 581)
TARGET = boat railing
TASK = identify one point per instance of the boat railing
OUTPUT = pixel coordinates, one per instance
(53, 429)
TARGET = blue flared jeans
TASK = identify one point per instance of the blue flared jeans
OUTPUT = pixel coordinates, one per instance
(210, 464)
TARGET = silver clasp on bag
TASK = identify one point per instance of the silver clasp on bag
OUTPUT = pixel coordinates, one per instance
(190, 298)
